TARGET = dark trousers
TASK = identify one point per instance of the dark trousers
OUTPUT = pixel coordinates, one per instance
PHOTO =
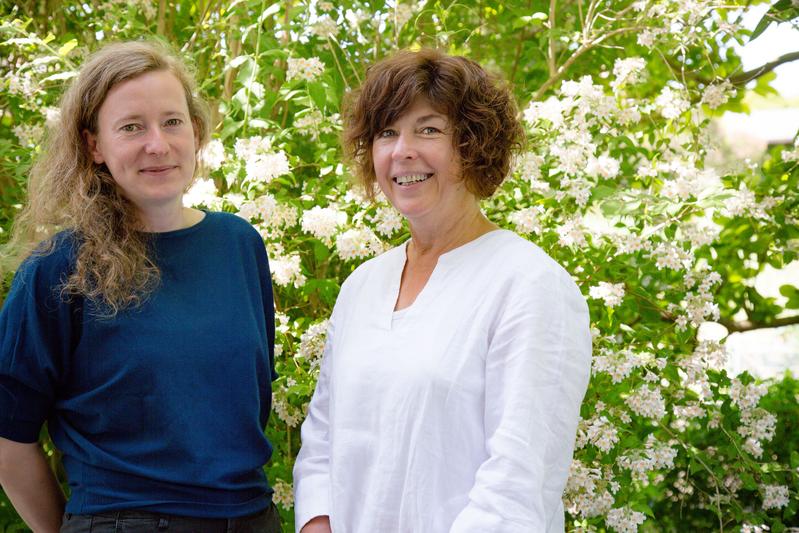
(267, 521)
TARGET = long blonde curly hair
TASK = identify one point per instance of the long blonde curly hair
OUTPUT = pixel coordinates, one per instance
(67, 190)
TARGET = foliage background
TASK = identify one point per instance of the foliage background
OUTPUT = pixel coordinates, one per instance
(622, 183)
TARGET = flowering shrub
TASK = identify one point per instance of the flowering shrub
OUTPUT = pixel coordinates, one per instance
(616, 183)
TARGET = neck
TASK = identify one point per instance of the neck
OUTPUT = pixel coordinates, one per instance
(429, 242)
(165, 218)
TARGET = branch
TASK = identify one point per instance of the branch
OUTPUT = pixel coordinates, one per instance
(749, 75)
(586, 47)
(551, 47)
(749, 325)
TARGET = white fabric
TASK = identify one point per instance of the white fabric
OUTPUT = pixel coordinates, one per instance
(457, 414)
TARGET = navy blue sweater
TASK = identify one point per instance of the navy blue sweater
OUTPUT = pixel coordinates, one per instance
(161, 408)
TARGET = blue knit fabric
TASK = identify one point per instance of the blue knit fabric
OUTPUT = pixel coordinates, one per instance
(163, 407)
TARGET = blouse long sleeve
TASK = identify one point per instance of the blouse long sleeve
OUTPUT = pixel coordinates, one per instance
(537, 369)
(312, 467)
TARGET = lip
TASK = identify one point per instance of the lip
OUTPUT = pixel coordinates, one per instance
(158, 169)
(408, 185)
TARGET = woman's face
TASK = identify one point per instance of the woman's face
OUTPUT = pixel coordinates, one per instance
(146, 139)
(418, 168)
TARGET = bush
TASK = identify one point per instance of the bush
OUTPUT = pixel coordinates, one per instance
(615, 184)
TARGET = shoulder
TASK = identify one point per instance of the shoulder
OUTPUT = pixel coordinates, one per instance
(41, 274)
(219, 227)
(522, 262)
(229, 222)
(52, 258)
(376, 266)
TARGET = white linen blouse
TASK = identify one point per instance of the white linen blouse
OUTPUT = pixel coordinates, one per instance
(456, 414)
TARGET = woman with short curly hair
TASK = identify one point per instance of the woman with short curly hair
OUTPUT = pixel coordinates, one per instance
(140, 330)
(455, 364)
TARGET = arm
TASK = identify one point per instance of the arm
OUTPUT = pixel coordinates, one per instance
(30, 485)
(312, 468)
(536, 373)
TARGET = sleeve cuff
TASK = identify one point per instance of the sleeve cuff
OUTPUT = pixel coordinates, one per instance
(311, 499)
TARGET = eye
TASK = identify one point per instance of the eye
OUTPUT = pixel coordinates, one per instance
(130, 128)
(173, 122)
(386, 133)
(430, 130)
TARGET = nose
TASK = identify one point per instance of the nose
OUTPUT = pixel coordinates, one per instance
(156, 142)
(404, 148)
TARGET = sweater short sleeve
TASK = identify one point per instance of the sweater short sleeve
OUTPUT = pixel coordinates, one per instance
(35, 334)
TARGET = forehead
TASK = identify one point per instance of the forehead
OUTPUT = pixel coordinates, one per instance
(156, 91)
(419, 109)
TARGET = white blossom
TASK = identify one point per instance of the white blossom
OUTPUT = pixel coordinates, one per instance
(271, 213)
(323, 222)
(571, 233)
(212, 155)
(202, 192)
(749, 528)
(624, 520)
(671, 103)
(648, 402)
(266, 167)
(550, 109)
(312, 343)
(387, 221)
(602, 434)
(29, 135)
(774, 496)
(668, 255)
(324, 27)
(283, 494)
(746, 396)
(300, 68)
(604, 167)
(287, 270)
(52, 116)
(527, 220)
(626, 71)
(617, 364)
(358, 243)
(717, 94)
(758, 424)
(611, 293)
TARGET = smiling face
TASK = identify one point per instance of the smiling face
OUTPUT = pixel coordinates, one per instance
(146, 139)
(418, 168)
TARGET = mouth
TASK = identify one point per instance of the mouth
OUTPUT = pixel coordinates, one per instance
(158, 170)
(410, 179)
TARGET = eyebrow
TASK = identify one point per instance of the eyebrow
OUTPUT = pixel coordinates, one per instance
(431, 116)
(136, 116)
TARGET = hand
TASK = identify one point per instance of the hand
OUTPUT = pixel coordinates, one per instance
(318, 524)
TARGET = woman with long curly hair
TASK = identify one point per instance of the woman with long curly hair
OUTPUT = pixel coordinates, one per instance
(140, 330)
(455, 364)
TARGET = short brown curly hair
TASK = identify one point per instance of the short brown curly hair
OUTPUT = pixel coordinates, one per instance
(481, 109)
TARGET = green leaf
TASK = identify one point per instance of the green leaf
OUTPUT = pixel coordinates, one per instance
(269, 11)
(61, 76)
(67, 47)
(318, 95)
(769, 18)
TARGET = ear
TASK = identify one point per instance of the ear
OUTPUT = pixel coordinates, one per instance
(91, 143)
(195, 127)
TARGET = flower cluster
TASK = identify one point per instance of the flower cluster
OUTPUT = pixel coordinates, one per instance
(323, 222)
(312, 343)
(358, 243)
(611, 293)
(300, 68)
(262, 164)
